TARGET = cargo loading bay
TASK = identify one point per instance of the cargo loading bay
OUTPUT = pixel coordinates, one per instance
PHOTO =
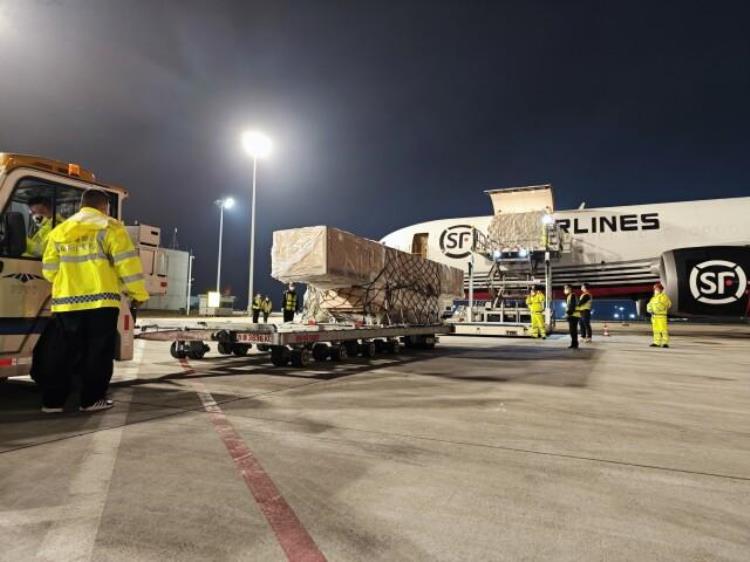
(482, 449)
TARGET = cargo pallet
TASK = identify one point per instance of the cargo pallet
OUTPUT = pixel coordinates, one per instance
(298, 344)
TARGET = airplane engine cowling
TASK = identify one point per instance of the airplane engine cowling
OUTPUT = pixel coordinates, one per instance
(708, 280)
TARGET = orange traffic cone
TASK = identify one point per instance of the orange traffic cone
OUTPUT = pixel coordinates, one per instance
(606, 331)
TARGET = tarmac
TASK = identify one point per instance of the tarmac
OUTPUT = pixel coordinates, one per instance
(483, 449)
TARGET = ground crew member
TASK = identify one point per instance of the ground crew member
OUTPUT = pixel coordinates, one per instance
(257, 306)
(41, 214)
(658, 307)
(535, 303)
(89, 259)
(572, 314)
(266, 308)
(289, 303)
(585, 302)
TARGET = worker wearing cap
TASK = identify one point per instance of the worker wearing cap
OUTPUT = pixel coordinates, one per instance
(257, 307)
(535, 303)
(572, 314)
(585, 303)
(289, 303)
(658, 307)
(90, 260)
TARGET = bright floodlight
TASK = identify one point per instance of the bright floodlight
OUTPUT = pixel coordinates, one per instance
(228, 203)
(256, 144)
(548, 219)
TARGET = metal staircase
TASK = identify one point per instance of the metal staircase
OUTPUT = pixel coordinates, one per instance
(517, 266)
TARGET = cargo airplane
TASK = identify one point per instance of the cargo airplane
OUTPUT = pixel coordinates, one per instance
(700, 250)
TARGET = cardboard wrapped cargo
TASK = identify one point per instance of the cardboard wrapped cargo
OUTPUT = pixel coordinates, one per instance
(517, 230)
(350, 278)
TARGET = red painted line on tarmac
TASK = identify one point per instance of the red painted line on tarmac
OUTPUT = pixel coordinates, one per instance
(293, 538)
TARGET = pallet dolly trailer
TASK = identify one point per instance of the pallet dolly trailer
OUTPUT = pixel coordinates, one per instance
(298, 344)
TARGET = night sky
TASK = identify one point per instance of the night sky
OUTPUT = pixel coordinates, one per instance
(382, 113)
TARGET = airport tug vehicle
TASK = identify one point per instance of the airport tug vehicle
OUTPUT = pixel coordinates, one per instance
(24, 293)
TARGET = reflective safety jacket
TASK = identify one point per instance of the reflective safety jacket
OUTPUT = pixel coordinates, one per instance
(90, 259)
(266, 306)
(535, 302)
(36, 243)
(659, 305)
(257, 302)
(585, 302)
(571, 306)
(290, 300)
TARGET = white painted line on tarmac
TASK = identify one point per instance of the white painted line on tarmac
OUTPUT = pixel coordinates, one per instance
(72, 538)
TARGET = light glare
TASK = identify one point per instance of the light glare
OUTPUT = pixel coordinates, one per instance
(256, 144)
(228, 203)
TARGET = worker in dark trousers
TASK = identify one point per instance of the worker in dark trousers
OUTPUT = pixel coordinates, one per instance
(89, 259)
(289, 303)
(585, 303)
(572, 314)
(257, 307)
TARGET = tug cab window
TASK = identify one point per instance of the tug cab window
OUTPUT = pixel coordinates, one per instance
(40, 205)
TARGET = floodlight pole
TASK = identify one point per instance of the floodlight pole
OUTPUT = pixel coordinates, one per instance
(252, 241)
(221, 236)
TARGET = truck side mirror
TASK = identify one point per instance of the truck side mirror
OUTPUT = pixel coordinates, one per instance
(12, 235)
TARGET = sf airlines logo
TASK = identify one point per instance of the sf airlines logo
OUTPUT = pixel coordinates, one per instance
(717, 282)
(455, 241)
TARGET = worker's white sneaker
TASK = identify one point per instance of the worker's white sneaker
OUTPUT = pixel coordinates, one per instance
(47, 410)
(99, 405)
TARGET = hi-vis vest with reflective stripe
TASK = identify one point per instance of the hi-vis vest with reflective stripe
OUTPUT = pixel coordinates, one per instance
(587, 304)
(290, 300)
(535, 302)
(659, 305)
(90, 260)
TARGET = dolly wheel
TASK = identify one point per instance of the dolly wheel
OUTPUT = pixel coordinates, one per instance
(241, 349)
(339, 353)
(177, 350)
(320, 352)
(279, 356)
(368, 349)
(301, 357)
(225, 348)
(393, 346)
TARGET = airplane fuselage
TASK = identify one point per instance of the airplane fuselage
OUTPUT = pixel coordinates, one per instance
(616, 250)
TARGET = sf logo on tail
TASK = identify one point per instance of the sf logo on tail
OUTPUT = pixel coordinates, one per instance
(717, 282)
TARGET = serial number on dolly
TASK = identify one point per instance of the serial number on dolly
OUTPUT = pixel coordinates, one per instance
(254, 338)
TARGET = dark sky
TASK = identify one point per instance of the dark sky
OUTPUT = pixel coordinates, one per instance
(382, 113)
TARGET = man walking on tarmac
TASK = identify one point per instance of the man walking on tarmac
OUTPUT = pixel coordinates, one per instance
(658, 307)
(257, 306)
(535, 303)
(88, 259)
(289, 303)
(584, 307)
(572, 314)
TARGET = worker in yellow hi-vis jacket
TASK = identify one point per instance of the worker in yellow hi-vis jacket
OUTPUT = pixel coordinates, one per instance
(658, 307)
(90, 260)
(535, 303)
